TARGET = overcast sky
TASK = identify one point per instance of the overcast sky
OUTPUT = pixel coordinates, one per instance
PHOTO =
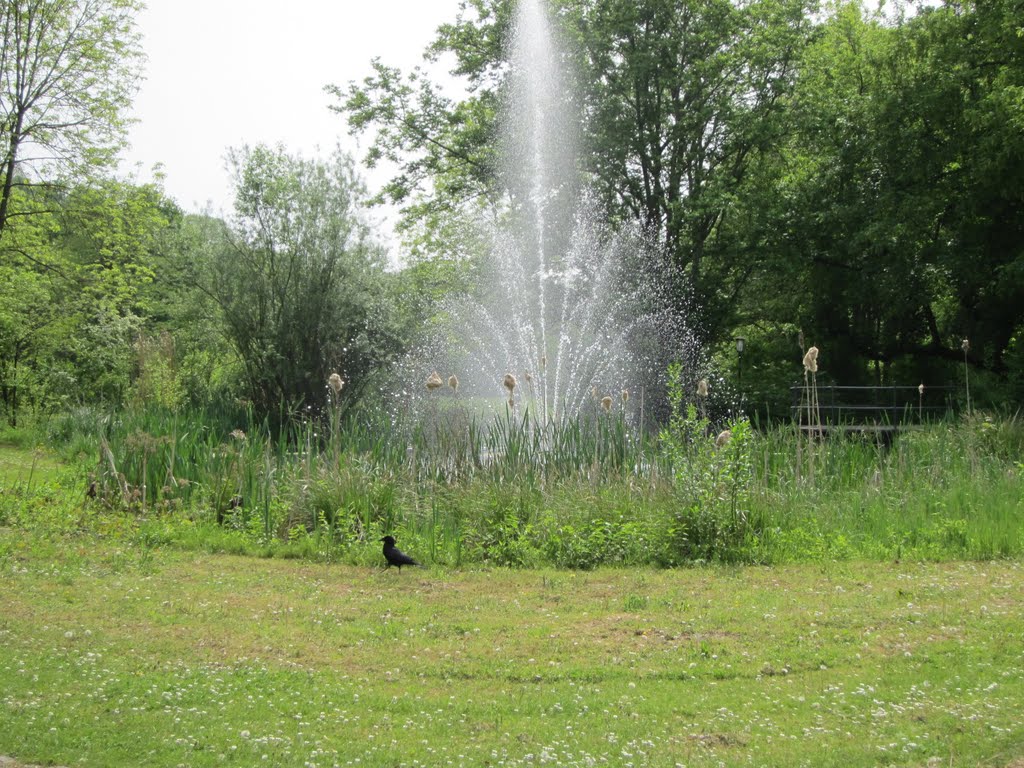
(222, 73)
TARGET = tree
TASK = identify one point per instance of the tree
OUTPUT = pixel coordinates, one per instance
(840, 172)
(299, 281)
(685, 96)
(678, 99)
(898, 214)
(185, 350)
(67, 73)
(72, 294)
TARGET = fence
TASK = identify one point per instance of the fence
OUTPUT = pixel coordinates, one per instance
(870, 408)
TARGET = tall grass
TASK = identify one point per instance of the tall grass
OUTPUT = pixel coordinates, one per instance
(948, 490)
(458, 488)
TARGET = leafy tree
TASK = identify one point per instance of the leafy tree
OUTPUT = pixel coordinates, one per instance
(185, 352)
(30, 322)
(72, 297)
(898, 211)
(299, 281)
(685, 97)
(110, 232)
(678, 100)
(67, 73)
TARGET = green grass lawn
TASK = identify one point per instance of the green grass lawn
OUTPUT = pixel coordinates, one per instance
(20, 466)
(114, 654)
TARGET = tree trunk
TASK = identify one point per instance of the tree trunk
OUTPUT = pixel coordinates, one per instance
(11, 164)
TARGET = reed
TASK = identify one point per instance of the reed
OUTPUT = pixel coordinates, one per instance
(581, 492)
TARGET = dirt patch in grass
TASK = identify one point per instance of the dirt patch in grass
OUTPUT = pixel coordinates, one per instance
(10, 762)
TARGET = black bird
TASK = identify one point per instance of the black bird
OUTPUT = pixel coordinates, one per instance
(394, 555)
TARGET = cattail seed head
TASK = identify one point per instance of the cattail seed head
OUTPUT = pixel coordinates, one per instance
(811, 360)
(625, 395)
(606, 403)
(723, 437)
(453, 382)
(543, 362)
(528, 377)
(702, 388)
(920, 388)
(335, 382)
(510, 383)
(965, 345)
(434, 382)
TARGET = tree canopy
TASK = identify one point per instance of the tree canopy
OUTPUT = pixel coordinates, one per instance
(298, 279)
(827, 170)
(68, 69)
(831, 174)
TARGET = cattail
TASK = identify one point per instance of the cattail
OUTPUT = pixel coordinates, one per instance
(702, 388)
(543, 362)
(434, 382)
(606, 403)
(723, 437)
(510, 383)
(593, 393)
(811, 360)
(335, 382)
(965, 345)
(625, 395)
(453, 382)
(528, 377)
(920, 389)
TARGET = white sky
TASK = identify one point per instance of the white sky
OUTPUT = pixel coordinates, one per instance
(222, 73)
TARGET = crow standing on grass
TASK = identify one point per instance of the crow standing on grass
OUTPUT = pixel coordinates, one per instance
(394, 555)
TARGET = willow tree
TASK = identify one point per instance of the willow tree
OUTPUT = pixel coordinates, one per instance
(299, 280)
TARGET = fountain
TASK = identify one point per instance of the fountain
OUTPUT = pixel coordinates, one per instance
(573, 317)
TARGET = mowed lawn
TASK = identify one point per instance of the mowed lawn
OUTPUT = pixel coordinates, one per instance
(119, 655)
(22, 467)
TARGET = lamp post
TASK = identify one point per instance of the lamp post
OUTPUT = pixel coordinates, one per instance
(741, 344)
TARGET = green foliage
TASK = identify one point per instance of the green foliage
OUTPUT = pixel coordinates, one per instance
(686, 98)
(299, 282)
(841, 172)
(939, 492)
(713, 478)
(595, 542)
(75, 303)
(67, 73)
(679, 102)
(901, 234)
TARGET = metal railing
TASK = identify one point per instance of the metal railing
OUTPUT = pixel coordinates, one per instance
(891, 406)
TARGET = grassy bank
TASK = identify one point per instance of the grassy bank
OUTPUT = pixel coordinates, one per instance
(126, 655)
(586, 494)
